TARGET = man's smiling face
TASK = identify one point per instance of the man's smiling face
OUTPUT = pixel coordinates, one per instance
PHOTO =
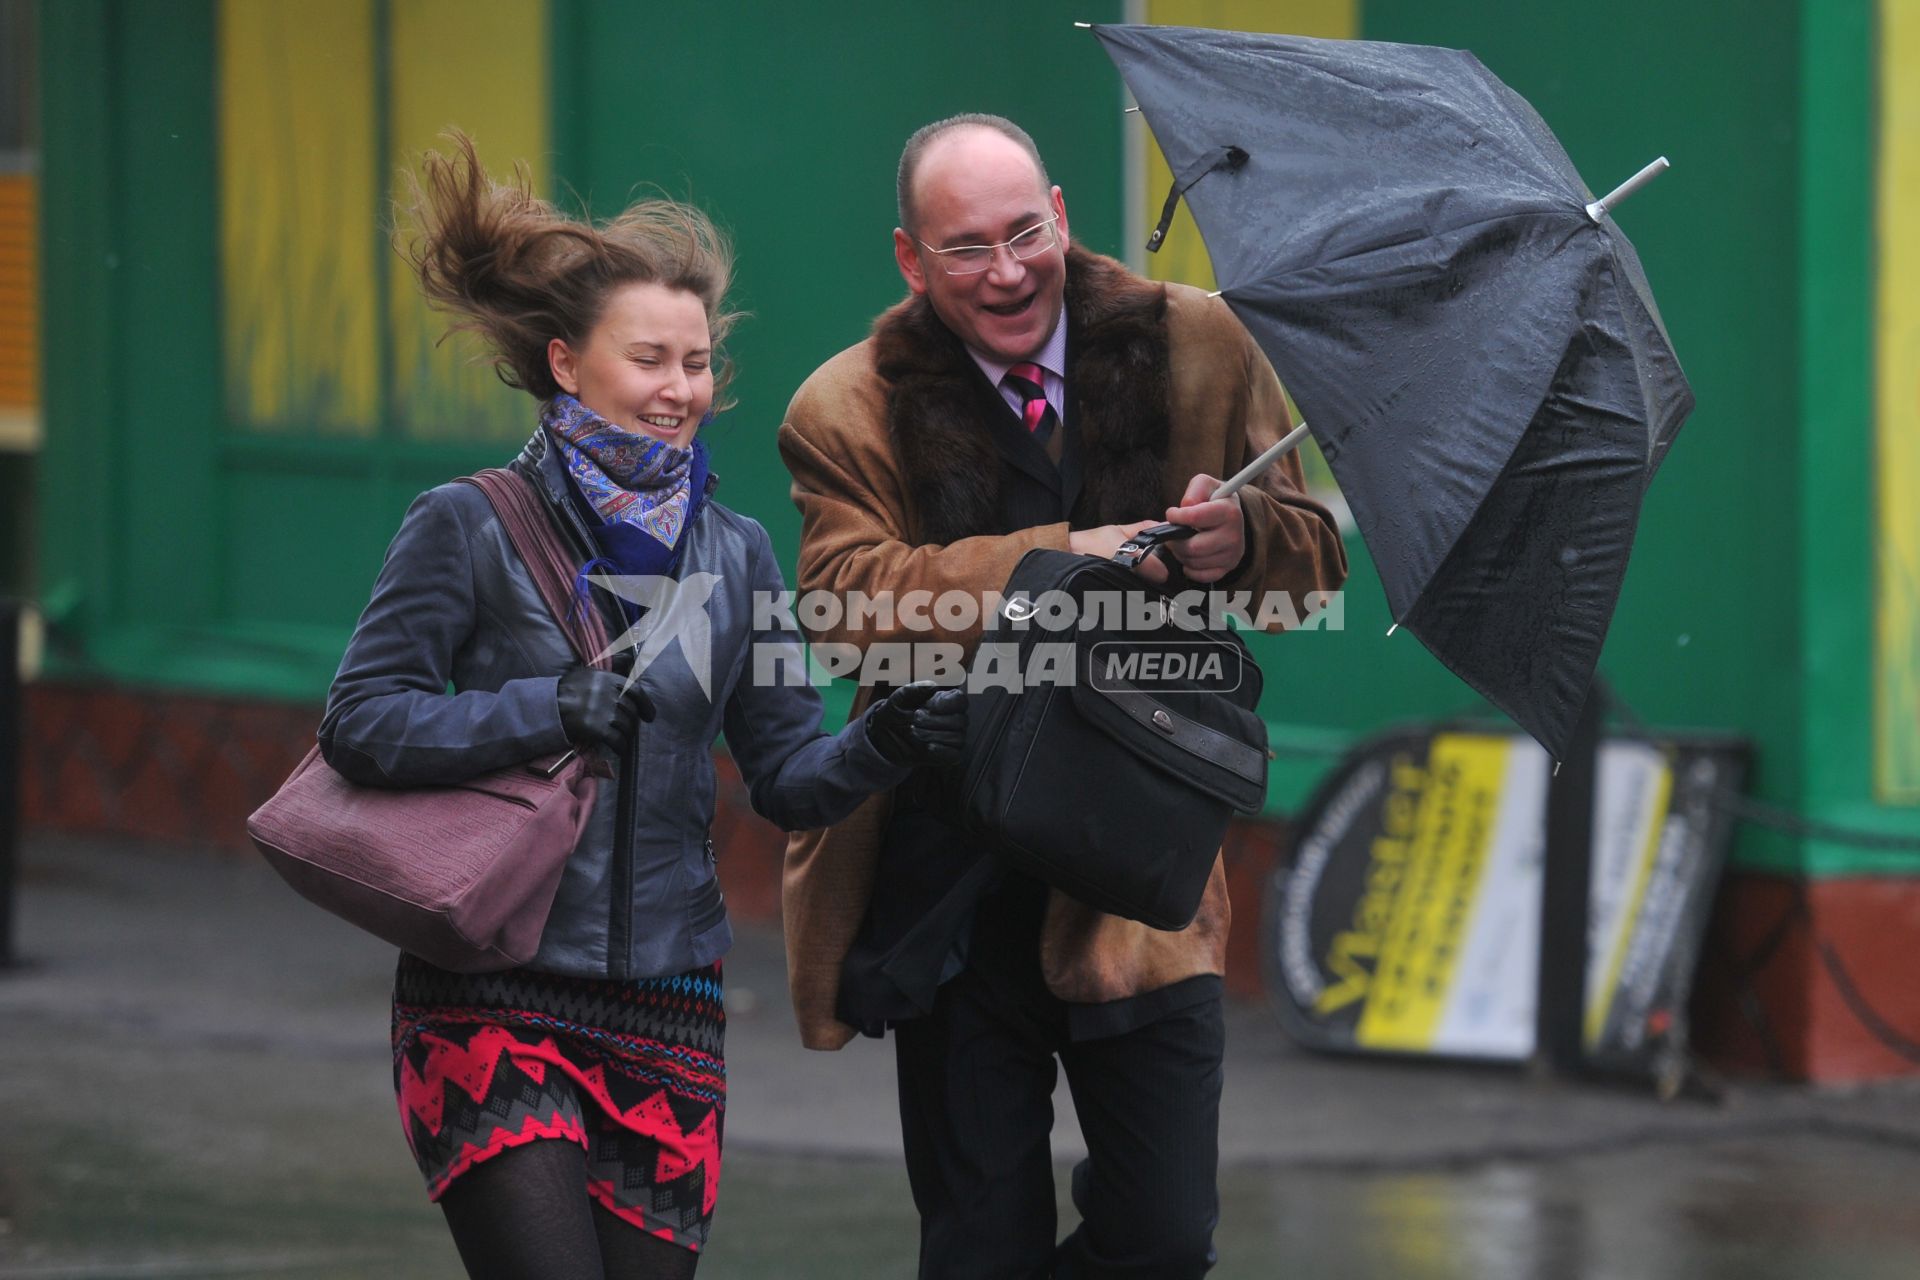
(974, 186)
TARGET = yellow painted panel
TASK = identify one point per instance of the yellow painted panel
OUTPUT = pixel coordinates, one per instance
(298, 214)
(1897, 775)
(480, 65)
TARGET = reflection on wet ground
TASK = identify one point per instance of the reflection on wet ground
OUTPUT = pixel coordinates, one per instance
(1756, 1209)
(93, 1206)
(1761, 1210)
(194, 1082)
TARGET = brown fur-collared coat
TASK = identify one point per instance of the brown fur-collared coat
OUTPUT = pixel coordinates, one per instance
(898, 484)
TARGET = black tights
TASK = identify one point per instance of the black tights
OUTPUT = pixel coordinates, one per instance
(525, 1215)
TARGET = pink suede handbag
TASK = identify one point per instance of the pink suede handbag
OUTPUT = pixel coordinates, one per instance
(461, 875)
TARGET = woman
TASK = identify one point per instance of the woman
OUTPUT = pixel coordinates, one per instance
(567, 1115)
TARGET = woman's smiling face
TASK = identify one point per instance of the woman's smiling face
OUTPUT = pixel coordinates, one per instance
(647, 366)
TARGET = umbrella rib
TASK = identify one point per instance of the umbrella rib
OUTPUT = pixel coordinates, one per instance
(1573, 223)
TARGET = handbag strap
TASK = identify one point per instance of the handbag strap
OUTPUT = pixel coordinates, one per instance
(524, 516)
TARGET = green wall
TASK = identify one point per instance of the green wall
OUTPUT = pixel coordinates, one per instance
(788, 123)
(180, 551)
(176, 551)
(1835, 455)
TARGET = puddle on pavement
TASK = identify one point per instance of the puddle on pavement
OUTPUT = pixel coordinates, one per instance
(1757, 1209)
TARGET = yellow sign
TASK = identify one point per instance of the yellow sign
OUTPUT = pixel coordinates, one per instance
(1411, 918)
(1449, 817)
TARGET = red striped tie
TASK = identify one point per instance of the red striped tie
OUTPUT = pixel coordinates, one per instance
(1029, 383)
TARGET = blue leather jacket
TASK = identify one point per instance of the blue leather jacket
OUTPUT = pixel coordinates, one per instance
(454, 608)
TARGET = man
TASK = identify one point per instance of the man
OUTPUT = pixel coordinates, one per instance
(1027, 394)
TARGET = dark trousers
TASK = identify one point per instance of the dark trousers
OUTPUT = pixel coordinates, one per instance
(976, 1108)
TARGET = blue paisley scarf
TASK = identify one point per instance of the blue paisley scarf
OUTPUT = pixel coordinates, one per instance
(628, 479)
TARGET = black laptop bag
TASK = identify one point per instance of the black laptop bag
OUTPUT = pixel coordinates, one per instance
(1115, 785)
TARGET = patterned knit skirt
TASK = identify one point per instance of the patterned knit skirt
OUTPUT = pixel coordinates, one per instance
(633, 1072)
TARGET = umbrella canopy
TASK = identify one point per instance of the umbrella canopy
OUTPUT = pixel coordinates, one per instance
(1480, 360)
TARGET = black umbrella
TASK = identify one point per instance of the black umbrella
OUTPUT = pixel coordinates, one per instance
(1469, 335)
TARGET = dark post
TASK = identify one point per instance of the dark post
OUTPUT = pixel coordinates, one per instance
(1565, 889)
(12, 712)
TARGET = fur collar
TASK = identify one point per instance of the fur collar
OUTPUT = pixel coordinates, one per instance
(1117, 387)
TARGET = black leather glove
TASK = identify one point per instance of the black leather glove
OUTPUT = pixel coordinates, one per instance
(919, 723)
(593, 711)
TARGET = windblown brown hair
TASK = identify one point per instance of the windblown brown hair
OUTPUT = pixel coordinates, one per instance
(515, 270)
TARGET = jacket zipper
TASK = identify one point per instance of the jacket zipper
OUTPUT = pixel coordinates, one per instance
(620, 909)
(620, 922)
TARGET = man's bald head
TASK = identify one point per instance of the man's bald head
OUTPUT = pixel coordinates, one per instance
(925, 137)
(983, 236)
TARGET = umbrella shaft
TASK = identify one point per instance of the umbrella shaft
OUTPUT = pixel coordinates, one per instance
(1288, 443)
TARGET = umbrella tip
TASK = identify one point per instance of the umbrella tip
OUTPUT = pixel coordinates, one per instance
(1604, 205)
(1084, 26)
(1395, 627)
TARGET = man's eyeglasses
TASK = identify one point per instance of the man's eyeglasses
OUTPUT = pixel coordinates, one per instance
(972, 259)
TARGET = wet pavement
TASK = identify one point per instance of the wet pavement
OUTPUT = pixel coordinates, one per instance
(194, 1082)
